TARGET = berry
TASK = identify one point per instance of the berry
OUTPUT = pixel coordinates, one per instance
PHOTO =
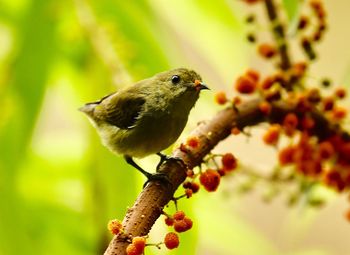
(268, 82)
(139, 242)
(115, 226)
(193, 142)
(325, 150)
(328, 103)
(183, 225)
(131, 249)
(307, 123)
(235, 131)
(180, 226)
(229, 161)
(169, 221)
(171, 240)
(253, 74)
(339, 113)
(265, 107)
(210, 179)
(194, 187)
(340, 93)
(272, 134)
(267, 50)
(245, 85)
(290, 120)
(220, 98)
(179, 215)
(188, 193)
(286, 155)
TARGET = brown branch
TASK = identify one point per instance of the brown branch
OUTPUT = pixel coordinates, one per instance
(148, 206)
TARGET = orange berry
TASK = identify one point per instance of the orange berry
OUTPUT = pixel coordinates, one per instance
(340, 93)
(255, 75)
(229, 161)
(267, 50)
(245, 85)
(188, 193)
(307, 123)
(190, 173)
(265, 107)
(139, 242)
(272, 134)
(169, 221)
(326, 150)
(180, 226)
(339, 113)
(310, 167)
(268, 82)
(328, 103)
(189, 222)
(313, 95)
(235, 131)
(171, 240)
(193, 142)
(194, 187)
(179, 215)
(236, 100)
(131, 249)
(220, 97)
(290, 120)
(299, 69)
(210, 179)
(286, 155)
(115, 226)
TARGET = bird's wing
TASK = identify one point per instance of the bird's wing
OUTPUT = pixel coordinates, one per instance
(123, 110)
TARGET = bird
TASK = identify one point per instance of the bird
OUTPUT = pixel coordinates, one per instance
(147, 117)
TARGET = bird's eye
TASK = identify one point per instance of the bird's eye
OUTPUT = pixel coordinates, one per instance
(175, 79)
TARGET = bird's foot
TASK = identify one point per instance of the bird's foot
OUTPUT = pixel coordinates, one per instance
(159, 177)
(164, 158)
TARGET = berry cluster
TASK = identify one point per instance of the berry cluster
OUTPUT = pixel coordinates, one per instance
(319, 149)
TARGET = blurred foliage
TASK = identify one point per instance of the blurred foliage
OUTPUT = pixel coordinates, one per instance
(58, 185)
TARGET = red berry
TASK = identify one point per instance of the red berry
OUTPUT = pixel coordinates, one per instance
(245, 85)
(169, 221)
(171, 240)
(139, 242)
(188, 222)
(286, 155)
(210, 179)
(188, 193)
(326, 150)
(253, 74)
(267, 50)
(272, 135)
(229, 161)
(180, 226)
(131, 249)
(193, 142)
(179, 215)
(235, 131)
(115, 226)
(220, 97)
(268, 82)
(340, 93)
(265, 107)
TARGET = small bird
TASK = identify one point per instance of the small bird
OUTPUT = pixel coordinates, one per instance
(147, 117)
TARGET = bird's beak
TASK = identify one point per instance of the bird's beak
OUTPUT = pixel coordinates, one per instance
(200, 85)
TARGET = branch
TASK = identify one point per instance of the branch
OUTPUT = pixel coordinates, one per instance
(146, 210)
(279, 34)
